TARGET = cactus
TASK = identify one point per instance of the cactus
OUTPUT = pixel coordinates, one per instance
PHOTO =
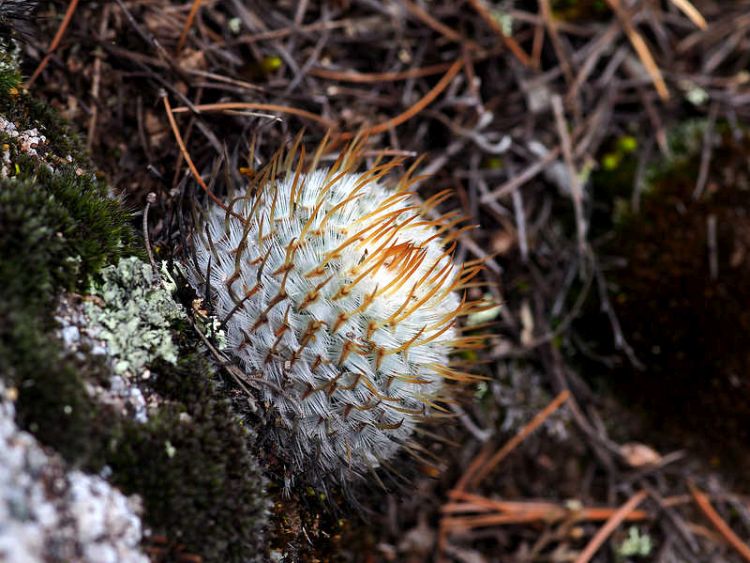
(340, 298)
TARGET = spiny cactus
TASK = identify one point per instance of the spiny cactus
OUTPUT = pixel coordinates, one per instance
(341, 298)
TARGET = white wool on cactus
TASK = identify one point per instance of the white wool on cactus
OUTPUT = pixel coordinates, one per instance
(341, 296)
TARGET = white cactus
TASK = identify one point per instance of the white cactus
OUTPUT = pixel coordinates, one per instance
(341, 296)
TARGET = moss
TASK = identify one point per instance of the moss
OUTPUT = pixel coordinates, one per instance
(102, 225)
(45, 246)
(207, 495)
(688, 328)
(33, 253)
(28, 113)
(90, 229)
(56, 229)
(190, 462)
(10, 79)
(53, 402)
(202, 488)
(10, 75)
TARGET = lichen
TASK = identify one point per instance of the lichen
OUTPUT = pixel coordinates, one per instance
(134, 316)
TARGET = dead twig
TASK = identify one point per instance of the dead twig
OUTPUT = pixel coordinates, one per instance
(226, 106)
(719, 523)
(150, 200)
(706, 152)
(55, 42)
(641, 49)
(691, 12)
(576, 192)
(518, 181)
(610, 526)
(188, 24)
(509, 42)
(422, 15)
(422, 103)
(548, 512)
(96, 81)
(186, 155)
(377, 77)
(479, 468)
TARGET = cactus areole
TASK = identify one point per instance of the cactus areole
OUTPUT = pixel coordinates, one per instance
(342, 296)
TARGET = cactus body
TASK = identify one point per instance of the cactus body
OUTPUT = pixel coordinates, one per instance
(341, 297)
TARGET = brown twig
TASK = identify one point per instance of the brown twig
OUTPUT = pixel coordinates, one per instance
(186, 155)
(450, 34)
(691, 12)
(509, 42)
(641, 49)
(188, 24)
(96, 81)
(551, 25)
(576, 192)
(422, 103)
(227, 106)
(150, 200)
(610, 526)
(55, 42)
(719, 523)
(376, 77)
(479, 469)
(518, 181)
(545, 511)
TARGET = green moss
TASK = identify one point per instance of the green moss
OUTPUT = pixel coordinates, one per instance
(56, 229)
(208, 494)
(202, 488)
(46, 246)
(33, 253)
(28, 113)
(53, 402)
(10, 76)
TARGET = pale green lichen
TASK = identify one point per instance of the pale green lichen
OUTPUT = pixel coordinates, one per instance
(134, 315)
(636, 544)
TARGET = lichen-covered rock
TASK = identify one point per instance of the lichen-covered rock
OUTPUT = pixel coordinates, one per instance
(48, 513)
(80, 338)
(175, 441)
(133, 315)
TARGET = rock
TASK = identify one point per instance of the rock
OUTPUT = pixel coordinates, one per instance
(49, 513)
